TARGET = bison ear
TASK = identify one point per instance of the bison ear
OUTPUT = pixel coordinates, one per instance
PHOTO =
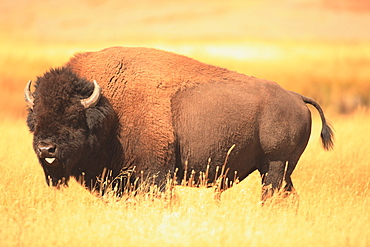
(95, 117)
(31, 121)
(94, 97)
(98, 117)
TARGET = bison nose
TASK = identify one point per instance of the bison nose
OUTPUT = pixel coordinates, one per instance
(46, 150)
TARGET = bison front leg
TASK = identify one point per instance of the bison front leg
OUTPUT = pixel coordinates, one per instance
(277, 180)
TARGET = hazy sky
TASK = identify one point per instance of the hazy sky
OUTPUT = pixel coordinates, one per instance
(84, 21)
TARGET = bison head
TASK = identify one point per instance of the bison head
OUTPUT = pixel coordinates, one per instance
(68, 118)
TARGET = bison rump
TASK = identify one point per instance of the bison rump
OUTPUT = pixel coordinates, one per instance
(264, 121)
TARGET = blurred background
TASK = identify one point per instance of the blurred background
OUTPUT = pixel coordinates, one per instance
(320, 48)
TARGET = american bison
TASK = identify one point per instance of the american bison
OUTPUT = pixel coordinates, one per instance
(123, 109)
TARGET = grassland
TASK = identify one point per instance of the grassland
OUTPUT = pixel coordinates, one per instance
(319, 48)
(333, 210)
(333, 186)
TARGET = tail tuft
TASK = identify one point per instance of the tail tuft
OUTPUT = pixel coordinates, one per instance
(327, 137)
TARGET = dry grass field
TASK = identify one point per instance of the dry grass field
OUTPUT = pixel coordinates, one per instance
(333, 209)
(319, 48)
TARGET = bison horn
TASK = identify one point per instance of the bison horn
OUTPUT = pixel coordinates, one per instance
(28, 97)
(94, 97)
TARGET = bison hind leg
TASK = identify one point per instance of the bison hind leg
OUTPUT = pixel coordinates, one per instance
(277, 183)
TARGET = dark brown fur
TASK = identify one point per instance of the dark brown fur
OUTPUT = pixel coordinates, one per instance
(172, 109)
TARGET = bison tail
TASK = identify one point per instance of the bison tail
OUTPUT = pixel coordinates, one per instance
(327, 134)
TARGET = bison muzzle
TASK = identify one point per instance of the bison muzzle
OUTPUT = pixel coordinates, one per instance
(124, 109)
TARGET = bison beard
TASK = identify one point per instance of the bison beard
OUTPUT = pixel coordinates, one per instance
(159, 112)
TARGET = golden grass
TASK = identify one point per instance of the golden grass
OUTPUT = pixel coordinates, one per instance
(333, 186)
(333, 210)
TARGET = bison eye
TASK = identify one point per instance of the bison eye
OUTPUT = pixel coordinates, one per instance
(31, 122)
(75, 123)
